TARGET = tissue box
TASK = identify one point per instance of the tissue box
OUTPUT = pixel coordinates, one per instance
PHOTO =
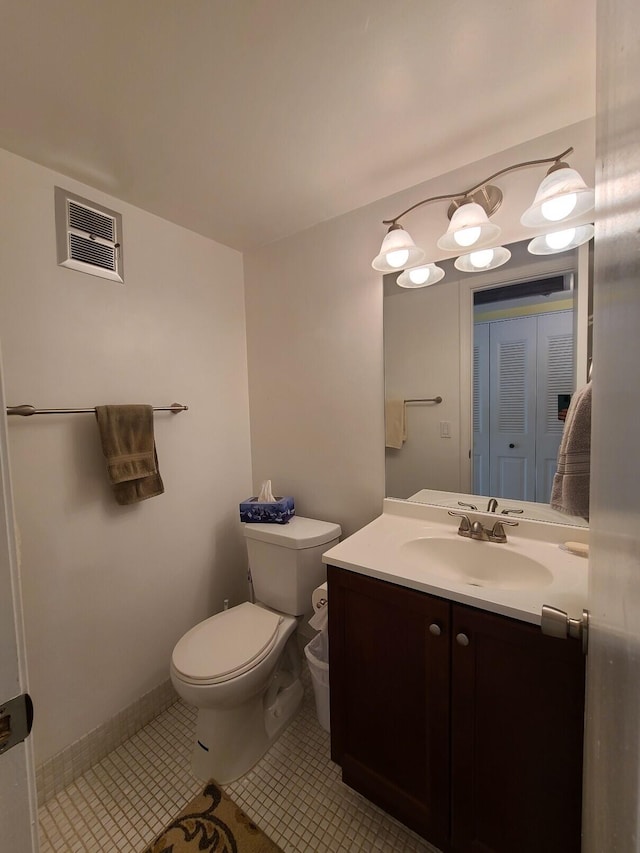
(278, 512)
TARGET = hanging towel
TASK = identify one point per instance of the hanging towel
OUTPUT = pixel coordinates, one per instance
(570, 490)
(395, 423)
(128, 444)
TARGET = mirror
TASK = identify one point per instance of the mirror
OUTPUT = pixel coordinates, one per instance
(436, 344)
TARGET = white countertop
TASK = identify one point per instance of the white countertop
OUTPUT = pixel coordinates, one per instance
(376, 550)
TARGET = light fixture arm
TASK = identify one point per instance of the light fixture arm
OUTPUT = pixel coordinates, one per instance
(557, 159)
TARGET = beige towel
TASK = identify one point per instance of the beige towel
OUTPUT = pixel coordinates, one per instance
(127, 439)
(395, 423)
(570, 490)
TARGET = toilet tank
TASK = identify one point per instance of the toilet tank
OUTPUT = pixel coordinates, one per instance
(286, 561)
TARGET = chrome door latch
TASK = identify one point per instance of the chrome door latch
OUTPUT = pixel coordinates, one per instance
(557, 623)
(16, 720)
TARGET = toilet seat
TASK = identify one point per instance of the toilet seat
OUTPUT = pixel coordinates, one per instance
(226, 645)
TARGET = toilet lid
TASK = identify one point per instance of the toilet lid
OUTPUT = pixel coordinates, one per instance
(227, 644)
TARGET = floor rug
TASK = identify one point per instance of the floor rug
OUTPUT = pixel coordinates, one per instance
(212, 823)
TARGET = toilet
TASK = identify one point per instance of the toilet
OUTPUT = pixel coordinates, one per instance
(241, 668)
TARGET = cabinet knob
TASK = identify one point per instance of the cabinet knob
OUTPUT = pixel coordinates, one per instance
(462, 640)
(435, 629)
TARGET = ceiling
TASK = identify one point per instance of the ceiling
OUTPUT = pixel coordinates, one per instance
(250, 120)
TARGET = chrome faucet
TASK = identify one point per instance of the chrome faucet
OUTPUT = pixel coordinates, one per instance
(492, 506)
(476, 529)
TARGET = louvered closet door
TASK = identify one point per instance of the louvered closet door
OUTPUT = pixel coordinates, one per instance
(481, 409)
(512, 385)
(555, 377)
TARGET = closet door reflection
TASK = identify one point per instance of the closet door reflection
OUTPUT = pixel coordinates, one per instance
(523, 370)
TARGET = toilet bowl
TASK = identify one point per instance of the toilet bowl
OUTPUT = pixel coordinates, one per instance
(246, 693)
(241, 668)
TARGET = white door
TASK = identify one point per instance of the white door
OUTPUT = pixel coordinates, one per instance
(612, 760)
(18, 813)
(512, 383)
(523, 370)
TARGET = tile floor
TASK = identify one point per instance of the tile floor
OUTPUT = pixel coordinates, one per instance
(294, 794)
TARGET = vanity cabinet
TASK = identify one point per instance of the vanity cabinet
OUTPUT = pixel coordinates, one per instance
(465, 725)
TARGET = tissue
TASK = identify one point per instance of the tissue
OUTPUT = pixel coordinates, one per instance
(266, 495)
(265, 508)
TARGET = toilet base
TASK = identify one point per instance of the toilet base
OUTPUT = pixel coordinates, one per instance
(229, 742)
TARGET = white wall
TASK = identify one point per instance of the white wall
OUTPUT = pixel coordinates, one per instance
(314, 332)
(315, 337)
(107, 589)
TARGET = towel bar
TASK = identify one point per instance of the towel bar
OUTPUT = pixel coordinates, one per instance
(26, 410)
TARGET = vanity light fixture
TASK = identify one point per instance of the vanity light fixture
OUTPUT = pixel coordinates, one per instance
(469, 226)
(397, 251)
(420, 276)
(562, 196)
(561, 241)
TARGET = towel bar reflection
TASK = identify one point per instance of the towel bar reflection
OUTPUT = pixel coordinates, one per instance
(26, 410)
(425, 400)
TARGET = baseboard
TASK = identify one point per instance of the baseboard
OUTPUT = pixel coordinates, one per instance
(54, 774)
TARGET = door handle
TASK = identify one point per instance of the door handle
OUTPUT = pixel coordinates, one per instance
(556, 623)
(16, 719)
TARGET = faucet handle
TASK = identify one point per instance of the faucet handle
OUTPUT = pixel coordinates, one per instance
(514, 511)
(497, 533)
(465, 524)
(468, 506)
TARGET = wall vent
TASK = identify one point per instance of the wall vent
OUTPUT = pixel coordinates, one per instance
(89, 236)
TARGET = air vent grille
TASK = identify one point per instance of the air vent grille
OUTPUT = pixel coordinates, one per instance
(89, 236)
(94, 223)
(91, 252)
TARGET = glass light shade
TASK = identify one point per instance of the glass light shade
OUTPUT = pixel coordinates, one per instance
(561, 196)
(397, 251)
(421, 276)
(561, 241)
(486, 259)
(469, 226)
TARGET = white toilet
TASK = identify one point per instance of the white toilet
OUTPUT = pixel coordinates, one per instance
(241, 668)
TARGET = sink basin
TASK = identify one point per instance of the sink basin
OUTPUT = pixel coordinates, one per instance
(468, 561)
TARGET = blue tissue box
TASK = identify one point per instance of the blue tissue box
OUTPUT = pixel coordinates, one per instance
(277, 512)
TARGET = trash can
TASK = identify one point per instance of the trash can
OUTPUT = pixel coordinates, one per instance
(317, 653)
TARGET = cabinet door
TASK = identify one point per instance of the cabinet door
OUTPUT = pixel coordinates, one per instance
(517, 730)
(390, 697)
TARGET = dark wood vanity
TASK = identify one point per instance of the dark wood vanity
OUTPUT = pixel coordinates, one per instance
(465, 725)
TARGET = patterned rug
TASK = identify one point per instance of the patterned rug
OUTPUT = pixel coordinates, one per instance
(212, 823)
